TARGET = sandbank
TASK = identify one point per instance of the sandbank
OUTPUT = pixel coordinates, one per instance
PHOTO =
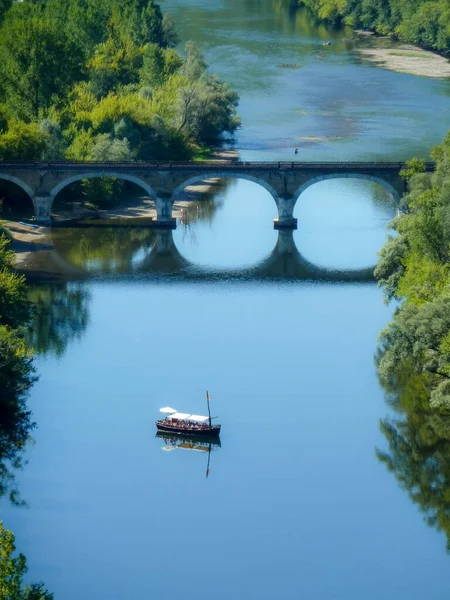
(410, 59)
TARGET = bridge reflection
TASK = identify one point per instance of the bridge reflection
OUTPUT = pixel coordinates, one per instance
(155, 255)
(284, 263)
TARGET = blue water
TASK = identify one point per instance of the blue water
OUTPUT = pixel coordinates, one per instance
(295, 499)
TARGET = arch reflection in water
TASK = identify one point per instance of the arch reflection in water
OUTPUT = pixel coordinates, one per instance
(163, 258)
(194, 443)
(284, 262)
(239, 232)
(342, 222)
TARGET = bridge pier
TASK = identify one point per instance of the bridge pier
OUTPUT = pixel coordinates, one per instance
(285, 219)
(285, 245)
(164, 243)
(164, 219)
(43, 208)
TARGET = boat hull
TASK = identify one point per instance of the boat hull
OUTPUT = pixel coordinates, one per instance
(214, 430)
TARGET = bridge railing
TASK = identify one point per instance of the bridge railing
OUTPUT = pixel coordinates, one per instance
(204, 165)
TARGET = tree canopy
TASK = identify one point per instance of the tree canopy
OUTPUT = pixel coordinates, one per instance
(414, 267)
(101, 80)
(423, 22)
(414, 349)
(12, 571)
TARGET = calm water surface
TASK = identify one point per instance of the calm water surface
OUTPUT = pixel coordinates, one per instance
(298, 93)
(281, 330)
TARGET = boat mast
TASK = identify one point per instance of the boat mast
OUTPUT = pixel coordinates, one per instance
(207, 402)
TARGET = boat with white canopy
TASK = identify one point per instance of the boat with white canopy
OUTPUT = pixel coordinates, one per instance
(187, 423)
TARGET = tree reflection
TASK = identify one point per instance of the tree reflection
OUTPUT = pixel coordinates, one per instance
(419, 447)
(103, 249)
(60, 315)
(15, 432)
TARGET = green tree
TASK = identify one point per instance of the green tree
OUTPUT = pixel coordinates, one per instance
(158, 65)
(423, 22)
(100, 80)
(14, 305)
(23, 141)
(12, 571)
(39, 62)
(115, 63)
(142, 21)
(5, 5)
(413, 166)
(16, 374)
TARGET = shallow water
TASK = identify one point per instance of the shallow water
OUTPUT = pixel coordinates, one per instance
(297, 93)
(283, 335)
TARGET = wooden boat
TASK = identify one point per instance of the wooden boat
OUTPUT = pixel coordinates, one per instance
(178, 423)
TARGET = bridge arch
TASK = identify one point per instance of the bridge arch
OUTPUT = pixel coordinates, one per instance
(125, 177)
(373, 178)
(26, 188)
(223, 175)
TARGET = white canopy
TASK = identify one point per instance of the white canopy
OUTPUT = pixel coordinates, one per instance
(179, 416)
(168, 410)
(188, 417)
(198, 418)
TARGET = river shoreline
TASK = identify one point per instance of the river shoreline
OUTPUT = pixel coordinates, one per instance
(405, 58)
(398, 55)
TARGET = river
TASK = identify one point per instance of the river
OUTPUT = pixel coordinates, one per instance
(294, 504)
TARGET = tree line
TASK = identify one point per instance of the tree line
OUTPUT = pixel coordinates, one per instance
(422, 22)
(414, 349)
(17, 375)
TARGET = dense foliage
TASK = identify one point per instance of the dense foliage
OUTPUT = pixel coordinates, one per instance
(423, 22)
(101, 80)
(16, 372)
(414, 266)
(16, 377)
(12, 571)
(414, 350)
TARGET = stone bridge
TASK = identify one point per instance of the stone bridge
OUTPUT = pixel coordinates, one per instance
(164, 182)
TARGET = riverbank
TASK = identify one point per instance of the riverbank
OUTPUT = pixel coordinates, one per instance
(423, 29)
(404, 58)
(132, 207)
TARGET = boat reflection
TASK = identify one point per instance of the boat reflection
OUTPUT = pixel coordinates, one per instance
(206, 444)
